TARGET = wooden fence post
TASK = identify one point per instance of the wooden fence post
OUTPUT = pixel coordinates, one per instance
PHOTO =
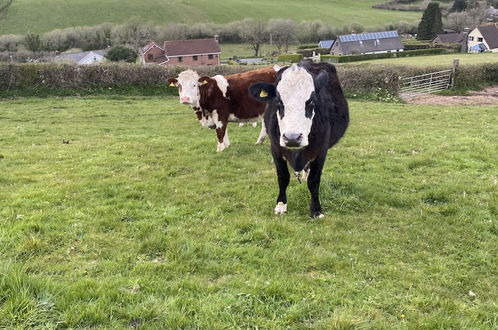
(456, 63)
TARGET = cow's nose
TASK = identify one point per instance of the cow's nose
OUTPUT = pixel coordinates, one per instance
(185, 99)
(292, 139)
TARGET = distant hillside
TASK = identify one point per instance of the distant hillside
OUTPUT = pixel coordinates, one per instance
(38, 16)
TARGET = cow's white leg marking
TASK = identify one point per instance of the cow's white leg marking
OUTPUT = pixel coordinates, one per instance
(281, 208)
(262, 133)
(226, 141)
(221, 147)
(254, 124)
(241, 124)
(217, 122)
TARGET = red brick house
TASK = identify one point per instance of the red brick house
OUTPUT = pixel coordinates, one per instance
(182, 52)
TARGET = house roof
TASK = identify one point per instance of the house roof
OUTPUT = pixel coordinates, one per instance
(76, 57)
(325, 44)
(450, 38)
(368, 36)
(490, 34)
(191, 47)
(149, 46)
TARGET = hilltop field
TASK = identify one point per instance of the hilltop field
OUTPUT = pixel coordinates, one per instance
(41, 16)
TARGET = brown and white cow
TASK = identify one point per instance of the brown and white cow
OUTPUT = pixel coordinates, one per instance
(219, 100)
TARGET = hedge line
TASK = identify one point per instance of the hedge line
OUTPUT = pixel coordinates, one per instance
(48, 79)
(364, 57)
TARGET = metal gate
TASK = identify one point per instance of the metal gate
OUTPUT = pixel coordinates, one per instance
(426, 83)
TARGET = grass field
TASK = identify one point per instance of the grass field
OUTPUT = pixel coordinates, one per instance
(138, 222)
(241, 50)
(435, 60)
(41, 16)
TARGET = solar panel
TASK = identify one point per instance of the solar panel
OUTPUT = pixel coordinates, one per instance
(368, 36)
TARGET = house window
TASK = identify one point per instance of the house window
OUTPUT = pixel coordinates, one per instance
(150, 57)
(479, 39)
(194, 57)
(210, 56)
(471, 38)
(180, 59)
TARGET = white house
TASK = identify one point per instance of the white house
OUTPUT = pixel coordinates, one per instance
(483, 38)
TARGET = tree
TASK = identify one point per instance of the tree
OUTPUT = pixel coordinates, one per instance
(32, 42)
(431, 23)
(283, 33)
(122, 54)
(459, 5)
(253, 32)
(4, 4)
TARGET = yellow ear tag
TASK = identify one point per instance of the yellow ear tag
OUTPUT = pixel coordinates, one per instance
(172, 85)
(263, 93)
(204, 82)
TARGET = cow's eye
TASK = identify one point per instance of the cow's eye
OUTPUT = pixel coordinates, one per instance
(310, 105)
(280, 109)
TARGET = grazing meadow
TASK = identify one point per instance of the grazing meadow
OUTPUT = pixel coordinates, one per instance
(117, 212)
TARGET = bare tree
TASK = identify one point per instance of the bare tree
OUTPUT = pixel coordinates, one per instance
(253, 32)
(283, 32)
(4, 4)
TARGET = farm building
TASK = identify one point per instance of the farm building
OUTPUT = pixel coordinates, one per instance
(93, 56)
(327, 44)
(452, 38)
(483, 38)
(184, 52)
(367, 43)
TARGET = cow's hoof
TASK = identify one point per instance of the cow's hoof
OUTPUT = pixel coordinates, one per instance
(255, 124)
(317, 215)
(221, 147)
(260, 141)
(281, 208)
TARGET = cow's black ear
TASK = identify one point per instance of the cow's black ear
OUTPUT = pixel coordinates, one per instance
(173, 82)
(321, 80)
(262, 91)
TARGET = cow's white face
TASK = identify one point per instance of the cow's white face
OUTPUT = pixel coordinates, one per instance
(295, 106)
(188, 87)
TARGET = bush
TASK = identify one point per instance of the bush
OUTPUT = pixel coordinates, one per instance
(309, 46)
(49, 79)
(294, 58)
(122, 54)
(365, 57)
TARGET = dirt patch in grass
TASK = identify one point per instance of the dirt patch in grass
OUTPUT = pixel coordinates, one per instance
(488, 96)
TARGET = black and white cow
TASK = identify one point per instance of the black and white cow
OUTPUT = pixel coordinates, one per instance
(306, 114)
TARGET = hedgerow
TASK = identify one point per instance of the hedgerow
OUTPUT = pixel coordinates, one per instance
(48, 79)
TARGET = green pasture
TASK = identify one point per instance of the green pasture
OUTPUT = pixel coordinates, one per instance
(37, 16)
(436, 60)
(117, 212)
(242, 50)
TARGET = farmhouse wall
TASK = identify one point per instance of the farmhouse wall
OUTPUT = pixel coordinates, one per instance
(190, 60)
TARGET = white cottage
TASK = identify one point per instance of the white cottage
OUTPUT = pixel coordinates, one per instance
(483, 38)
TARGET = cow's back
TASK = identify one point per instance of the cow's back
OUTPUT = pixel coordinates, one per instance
(242, 105)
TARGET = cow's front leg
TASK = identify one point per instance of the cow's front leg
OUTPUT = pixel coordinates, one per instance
(262, 133)
(222, 135)
(283, 181)
(315, 174)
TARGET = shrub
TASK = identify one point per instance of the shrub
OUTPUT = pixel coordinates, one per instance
(294, 58)
(365, 57)
(122, 54)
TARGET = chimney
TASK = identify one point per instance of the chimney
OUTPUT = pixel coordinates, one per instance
(217, 37)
